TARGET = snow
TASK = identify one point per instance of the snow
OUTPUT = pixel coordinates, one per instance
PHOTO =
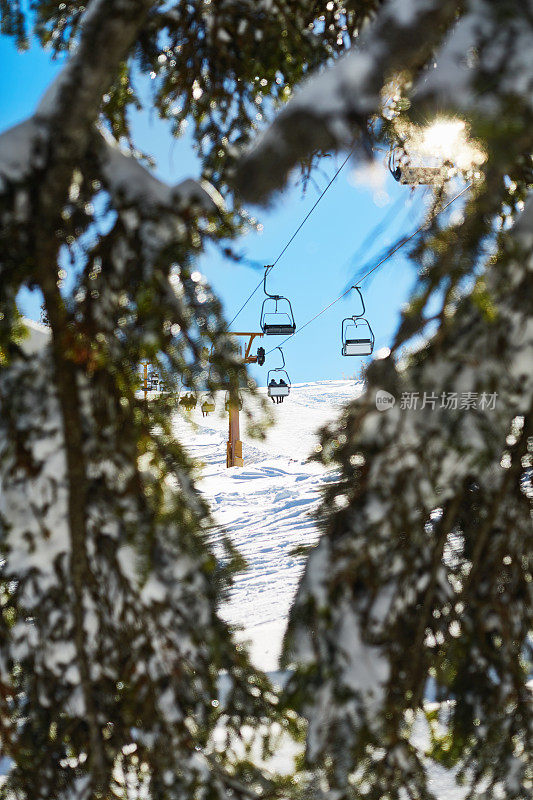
(331, 107)
(127, 179)
(51, 98)
(441, 781)
(38, 336)
(18, 146)
(23, 149)
(266, 507)
(404, 11)
(472, 72)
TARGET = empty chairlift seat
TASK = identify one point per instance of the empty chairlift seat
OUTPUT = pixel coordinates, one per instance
(275, 322)
(356, 334)
(405, 171)
(358, 339)
(208, 405)
(277, 318)
(239, 402)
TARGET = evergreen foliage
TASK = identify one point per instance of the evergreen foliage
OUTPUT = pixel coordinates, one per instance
(217, 65)
(111, 644)
(422, 580)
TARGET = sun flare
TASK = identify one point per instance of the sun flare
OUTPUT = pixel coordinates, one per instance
(444, 142)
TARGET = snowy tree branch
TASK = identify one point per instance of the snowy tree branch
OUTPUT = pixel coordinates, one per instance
(130, 183)
(69, 111)
(70, 107)
(334, 106)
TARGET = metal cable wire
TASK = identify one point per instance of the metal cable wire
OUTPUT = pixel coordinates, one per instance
(395, 249)
(294, 235)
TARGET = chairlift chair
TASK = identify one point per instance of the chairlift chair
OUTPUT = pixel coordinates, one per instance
(278, 390)
(413, 174)
(188, 401)
(157, 384)
(356, 334)
(277, 318)
(208, 405)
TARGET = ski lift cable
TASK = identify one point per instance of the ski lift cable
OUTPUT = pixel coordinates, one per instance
(295, 234)
(382, 261)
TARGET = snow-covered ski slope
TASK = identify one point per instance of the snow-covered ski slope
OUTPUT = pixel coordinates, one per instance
(267, 509)
(266, 506)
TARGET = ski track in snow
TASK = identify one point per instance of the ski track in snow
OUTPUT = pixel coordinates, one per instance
(267, 506)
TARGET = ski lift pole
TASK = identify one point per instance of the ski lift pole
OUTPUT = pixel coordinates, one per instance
(234, 445)
(145, 380)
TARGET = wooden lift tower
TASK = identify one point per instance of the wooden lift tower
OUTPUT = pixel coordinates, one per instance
(234, 446)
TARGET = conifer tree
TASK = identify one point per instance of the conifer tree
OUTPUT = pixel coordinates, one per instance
(424, 570)
(111, 646)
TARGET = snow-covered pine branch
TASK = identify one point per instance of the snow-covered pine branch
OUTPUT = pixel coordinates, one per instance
(111, 644)
(127, 180)
(424, 570)
(332, 108)
(438, 50)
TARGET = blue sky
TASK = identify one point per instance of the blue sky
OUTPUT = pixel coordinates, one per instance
(318, 265)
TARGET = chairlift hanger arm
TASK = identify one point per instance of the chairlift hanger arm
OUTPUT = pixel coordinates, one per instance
(251, 335)
(279, 369)
(282, 358)
(248, 359)
(363, 312)
(275, 297)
